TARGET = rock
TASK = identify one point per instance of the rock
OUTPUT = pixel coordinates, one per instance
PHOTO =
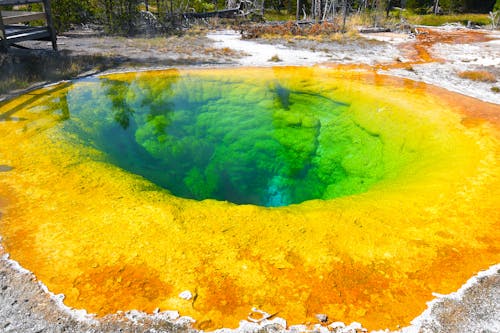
(5, 168)
(186, 294)
(337, 324)
(323, 318)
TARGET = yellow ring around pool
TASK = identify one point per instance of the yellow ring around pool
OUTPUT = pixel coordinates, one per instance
(111, 241)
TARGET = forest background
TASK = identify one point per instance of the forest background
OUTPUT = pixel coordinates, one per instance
(121, 16)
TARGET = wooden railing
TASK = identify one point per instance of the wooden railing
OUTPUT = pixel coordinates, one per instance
(13, 27)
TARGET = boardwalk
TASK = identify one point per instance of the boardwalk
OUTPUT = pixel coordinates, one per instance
(13, 27)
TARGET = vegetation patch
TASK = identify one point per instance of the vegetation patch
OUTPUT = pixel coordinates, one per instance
(275, 58)
(290, 29)
(437, 20)
(481, 76)
(20, 70)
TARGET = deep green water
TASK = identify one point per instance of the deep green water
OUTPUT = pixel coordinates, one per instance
(233, 140)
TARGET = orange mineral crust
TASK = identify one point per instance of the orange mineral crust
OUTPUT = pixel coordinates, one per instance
(419, 50)
(110, 239)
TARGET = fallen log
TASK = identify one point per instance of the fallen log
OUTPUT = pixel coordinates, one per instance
(226, 13)
(371, 30)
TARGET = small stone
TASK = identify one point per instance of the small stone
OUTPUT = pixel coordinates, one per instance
(5, 168)
(321, 329)
(186, 294)
(280, 322)
(171, 315)
(323, 318)
(185, 321)
(354, 327)
(297, 328)
(336, 324)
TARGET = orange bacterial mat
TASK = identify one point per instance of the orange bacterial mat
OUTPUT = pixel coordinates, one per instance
(404, 200)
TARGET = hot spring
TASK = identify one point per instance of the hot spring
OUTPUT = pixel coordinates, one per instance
(261, 142)
(297, 191)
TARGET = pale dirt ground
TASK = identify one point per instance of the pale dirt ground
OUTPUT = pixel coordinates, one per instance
(25, 306)
(457, 58)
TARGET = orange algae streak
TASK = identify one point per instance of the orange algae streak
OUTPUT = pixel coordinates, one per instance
(419, 50)
(426, 38)
(105, 293)
(110, 240)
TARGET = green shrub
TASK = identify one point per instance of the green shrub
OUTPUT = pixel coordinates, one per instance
(67, 12)
(418, 6)
(437, 20)
(117, 16)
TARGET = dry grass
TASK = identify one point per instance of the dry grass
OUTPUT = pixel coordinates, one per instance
(146, 43)
(21, 70)
(187, 45)
(13, 83)
(354, 21)
(326, 31)
(291, 29)
(481, 76)
(221, 52)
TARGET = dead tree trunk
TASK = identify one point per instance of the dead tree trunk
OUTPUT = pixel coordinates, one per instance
(363, 6)
(436, 7)
(344, 15)
(325, 10)
(329, 10)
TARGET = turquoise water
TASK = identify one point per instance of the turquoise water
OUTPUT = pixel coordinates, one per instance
(226, 139)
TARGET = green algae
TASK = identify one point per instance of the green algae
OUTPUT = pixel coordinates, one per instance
(264, 143)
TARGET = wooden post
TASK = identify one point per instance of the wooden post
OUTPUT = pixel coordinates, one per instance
(50, 24)
(436, 7)
(4, 46)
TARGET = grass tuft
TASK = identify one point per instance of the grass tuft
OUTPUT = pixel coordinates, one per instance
(275, 58)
